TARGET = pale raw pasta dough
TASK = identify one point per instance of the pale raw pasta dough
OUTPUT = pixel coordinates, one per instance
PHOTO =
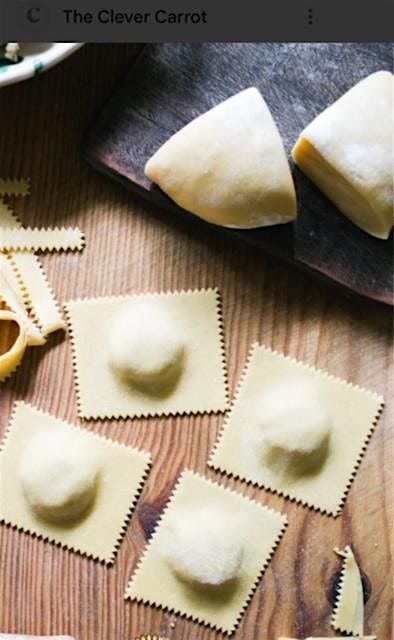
(207, 553)
(68, 485)
(229, 166)
(332, 638)
(17, 636)
(200, 552)
(296, 428)
(11, 356)
(348, 614)
(348, 152)
(145, 346)
(153, 354)
(59, 473)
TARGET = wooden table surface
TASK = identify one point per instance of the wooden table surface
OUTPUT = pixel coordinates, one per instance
(131, 247)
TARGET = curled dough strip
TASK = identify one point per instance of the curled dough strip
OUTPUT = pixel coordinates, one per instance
(37, 292)
(11, 294)
(11, 358)
(31, 283)
(55, 239)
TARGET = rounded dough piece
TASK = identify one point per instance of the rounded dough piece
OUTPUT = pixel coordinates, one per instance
(229, 166)
(59, 474)
(205, 549)
(296, 429)
(145, 346)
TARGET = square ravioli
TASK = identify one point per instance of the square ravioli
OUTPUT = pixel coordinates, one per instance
(149, 354)
(68, 485)
(207, 553)
(296, 430)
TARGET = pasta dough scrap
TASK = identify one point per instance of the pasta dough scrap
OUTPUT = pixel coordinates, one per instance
(41, 239)
(229, 166)
(12, 187)
(347, 151)
(17, 636)
(199, 552)
(348, 614)
(106, 475)
(31, 283)
(188, 371)
(332, 638)
(151, 636)
(205, 594)
(11, 358)
(259, 443)
(145, 346)
(59, 473)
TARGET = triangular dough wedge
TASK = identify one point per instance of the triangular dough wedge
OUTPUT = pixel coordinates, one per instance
(229, 166)
(348, 152)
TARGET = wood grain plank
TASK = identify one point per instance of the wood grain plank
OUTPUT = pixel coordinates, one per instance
(132, 248)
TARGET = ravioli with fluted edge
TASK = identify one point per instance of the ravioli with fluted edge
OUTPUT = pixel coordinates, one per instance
(296, 430)
(152, 353)
(229, 166)
(68, 485)
(207, 553)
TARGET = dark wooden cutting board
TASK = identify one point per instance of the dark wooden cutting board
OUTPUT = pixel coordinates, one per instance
(172, 83)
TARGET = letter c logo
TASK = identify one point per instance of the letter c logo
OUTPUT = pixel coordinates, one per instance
(33, 15)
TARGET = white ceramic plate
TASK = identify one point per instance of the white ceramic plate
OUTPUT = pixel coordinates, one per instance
(37, 57)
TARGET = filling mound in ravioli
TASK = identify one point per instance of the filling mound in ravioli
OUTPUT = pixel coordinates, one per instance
(205, 549)
(59, 475)
(296, 429)
(145, 347)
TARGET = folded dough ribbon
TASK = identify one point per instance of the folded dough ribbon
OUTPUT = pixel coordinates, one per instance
(10, 359)
(40, 239)
(12, 296)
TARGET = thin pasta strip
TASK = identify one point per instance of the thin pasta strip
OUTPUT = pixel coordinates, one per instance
(53, 239)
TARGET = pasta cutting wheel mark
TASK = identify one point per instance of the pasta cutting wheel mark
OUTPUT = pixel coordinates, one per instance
(348, 614)
(56, 239)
